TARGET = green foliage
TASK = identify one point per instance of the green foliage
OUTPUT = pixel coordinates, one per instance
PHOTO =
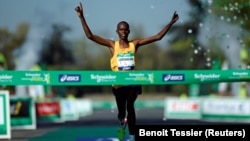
(153, 57)
(182, 45)
(10, 41)
(57, 50)
(238, 11)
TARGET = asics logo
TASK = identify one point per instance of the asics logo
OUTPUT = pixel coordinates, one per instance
(69, 78)
(173, 77)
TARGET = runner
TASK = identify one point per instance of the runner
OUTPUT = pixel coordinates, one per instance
(123, 59)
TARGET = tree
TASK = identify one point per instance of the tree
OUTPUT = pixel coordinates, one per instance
(185, 45)
(236, 12)
(9, 42)
(57, 51)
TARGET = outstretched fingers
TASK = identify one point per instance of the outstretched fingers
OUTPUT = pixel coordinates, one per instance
(80, 5)
(175, 14)
(175, 17)
(79, 8)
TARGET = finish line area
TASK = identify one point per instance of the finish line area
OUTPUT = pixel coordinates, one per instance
(160, 77)
(97, 120)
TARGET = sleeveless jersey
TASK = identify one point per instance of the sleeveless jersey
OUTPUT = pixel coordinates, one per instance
(123, 59)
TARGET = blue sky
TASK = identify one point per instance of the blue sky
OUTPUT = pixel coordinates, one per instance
(101, 15)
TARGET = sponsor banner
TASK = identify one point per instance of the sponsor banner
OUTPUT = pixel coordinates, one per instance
(104, 104)
(226, 109)
(5, 127)
(84, 107)
(122, 77)
(68, 109)
(22, 111)
(216, 109)
(149, 104)
(109, 104)
(176, 108)
(221, 76)
(48, 111)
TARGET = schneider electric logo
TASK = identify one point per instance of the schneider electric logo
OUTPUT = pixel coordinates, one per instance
(206, 77)
(173, 77)
(6, 78)
(103, 78)
(69, 78)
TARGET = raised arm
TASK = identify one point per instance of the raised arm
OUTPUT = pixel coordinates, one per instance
(158, 36)
(88, 33)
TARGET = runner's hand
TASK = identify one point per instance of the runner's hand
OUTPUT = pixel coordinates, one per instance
(175, 17)
(79, 10)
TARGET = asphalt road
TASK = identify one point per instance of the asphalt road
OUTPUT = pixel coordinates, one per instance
(105, 117)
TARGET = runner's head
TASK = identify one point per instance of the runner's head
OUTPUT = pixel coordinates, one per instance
(123, 30)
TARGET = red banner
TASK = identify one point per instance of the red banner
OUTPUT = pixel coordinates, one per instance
(47, 108)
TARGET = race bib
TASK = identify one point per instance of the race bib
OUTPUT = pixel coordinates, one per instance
(126, 61)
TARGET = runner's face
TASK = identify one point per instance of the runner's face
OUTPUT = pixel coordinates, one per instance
(123, 31)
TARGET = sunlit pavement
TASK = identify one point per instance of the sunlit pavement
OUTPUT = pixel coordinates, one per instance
(101, 126)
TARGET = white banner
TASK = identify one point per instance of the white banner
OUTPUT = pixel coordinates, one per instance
(176, 108)
(5, 127)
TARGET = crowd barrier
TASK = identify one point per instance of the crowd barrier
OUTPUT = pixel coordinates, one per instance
(5, 128)
(216, 109)
(23, 113)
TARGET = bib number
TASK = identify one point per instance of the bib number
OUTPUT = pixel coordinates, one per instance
(126, 61)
